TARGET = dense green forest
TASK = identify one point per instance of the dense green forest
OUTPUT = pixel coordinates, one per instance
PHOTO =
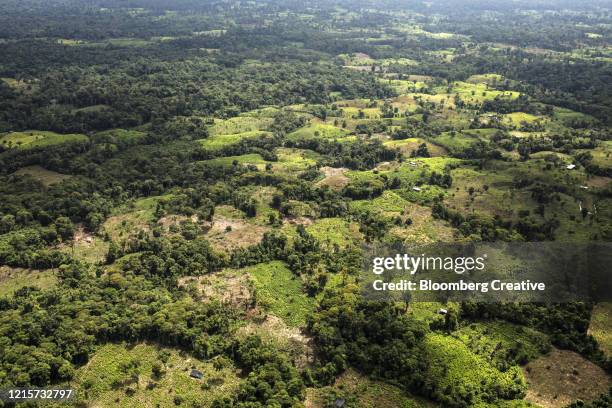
(188, 185)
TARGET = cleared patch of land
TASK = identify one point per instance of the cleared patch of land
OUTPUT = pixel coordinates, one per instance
(316, 131)
(562, 377)
(220, 141)
(601, 326)
(334, 177)
(280, 292)
(46, 177)
(120, 375)
(448, 374)
(239, 124)
(37, 138)
(407, 146)
(87, 247)
(289, 339)
(227, 233)
(335, 231)
(130, 220)
(501, 342)
(13, 279)
(363, 392)
(228, 286)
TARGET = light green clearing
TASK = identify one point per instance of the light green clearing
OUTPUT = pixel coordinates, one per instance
(267, 112)
(517, 118)
(246, 159)
(218, 141)
(117, 368)
(364, 392)
(292, 160)
(490, 79)
(335, 231)
(38, 138)
(411, 144)
(494, 340)
(318, 130)
(13, 279)
(453, 368)
(239, 124)
(93, 252)
(280, 292)
(361, 113)
(389, 203)
(128, 220)
(601, 326)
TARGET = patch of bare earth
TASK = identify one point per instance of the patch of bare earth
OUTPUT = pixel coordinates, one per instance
(227, 234)
(314, 398)
(562, 377)
(229, 287)
(305, 221)
(174, 220)
(82, 236)
(6, 272)
(334, 177)
(289, 339)
(599, 181)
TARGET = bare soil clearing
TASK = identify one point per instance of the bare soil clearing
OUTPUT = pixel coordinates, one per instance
(562, 377)
(334, 177)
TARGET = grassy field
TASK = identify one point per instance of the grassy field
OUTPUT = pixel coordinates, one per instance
(318, 130)
(13, 279)
(479, 92)
(454, 369)
(601, 326)
(267, 112)
(455, 143)
(389, 203)
(490, 193)
(517, 118)
(291, 160)
(291, 340)
(129, 220)
(602, 153)
(245, 159)
(362, 392)
(231, 229)
(37, 138)
(46, 177)
(409, 145)
(403, 86)
(280, 292)
(120, 375)
(424, 229)
(227, 286)
(490, 79)
(220, 141)
(89, 249)
(335, 231)
(496, 341)
(239, 124)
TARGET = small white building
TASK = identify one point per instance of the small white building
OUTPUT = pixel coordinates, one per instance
(571, 166)
(416, 188)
